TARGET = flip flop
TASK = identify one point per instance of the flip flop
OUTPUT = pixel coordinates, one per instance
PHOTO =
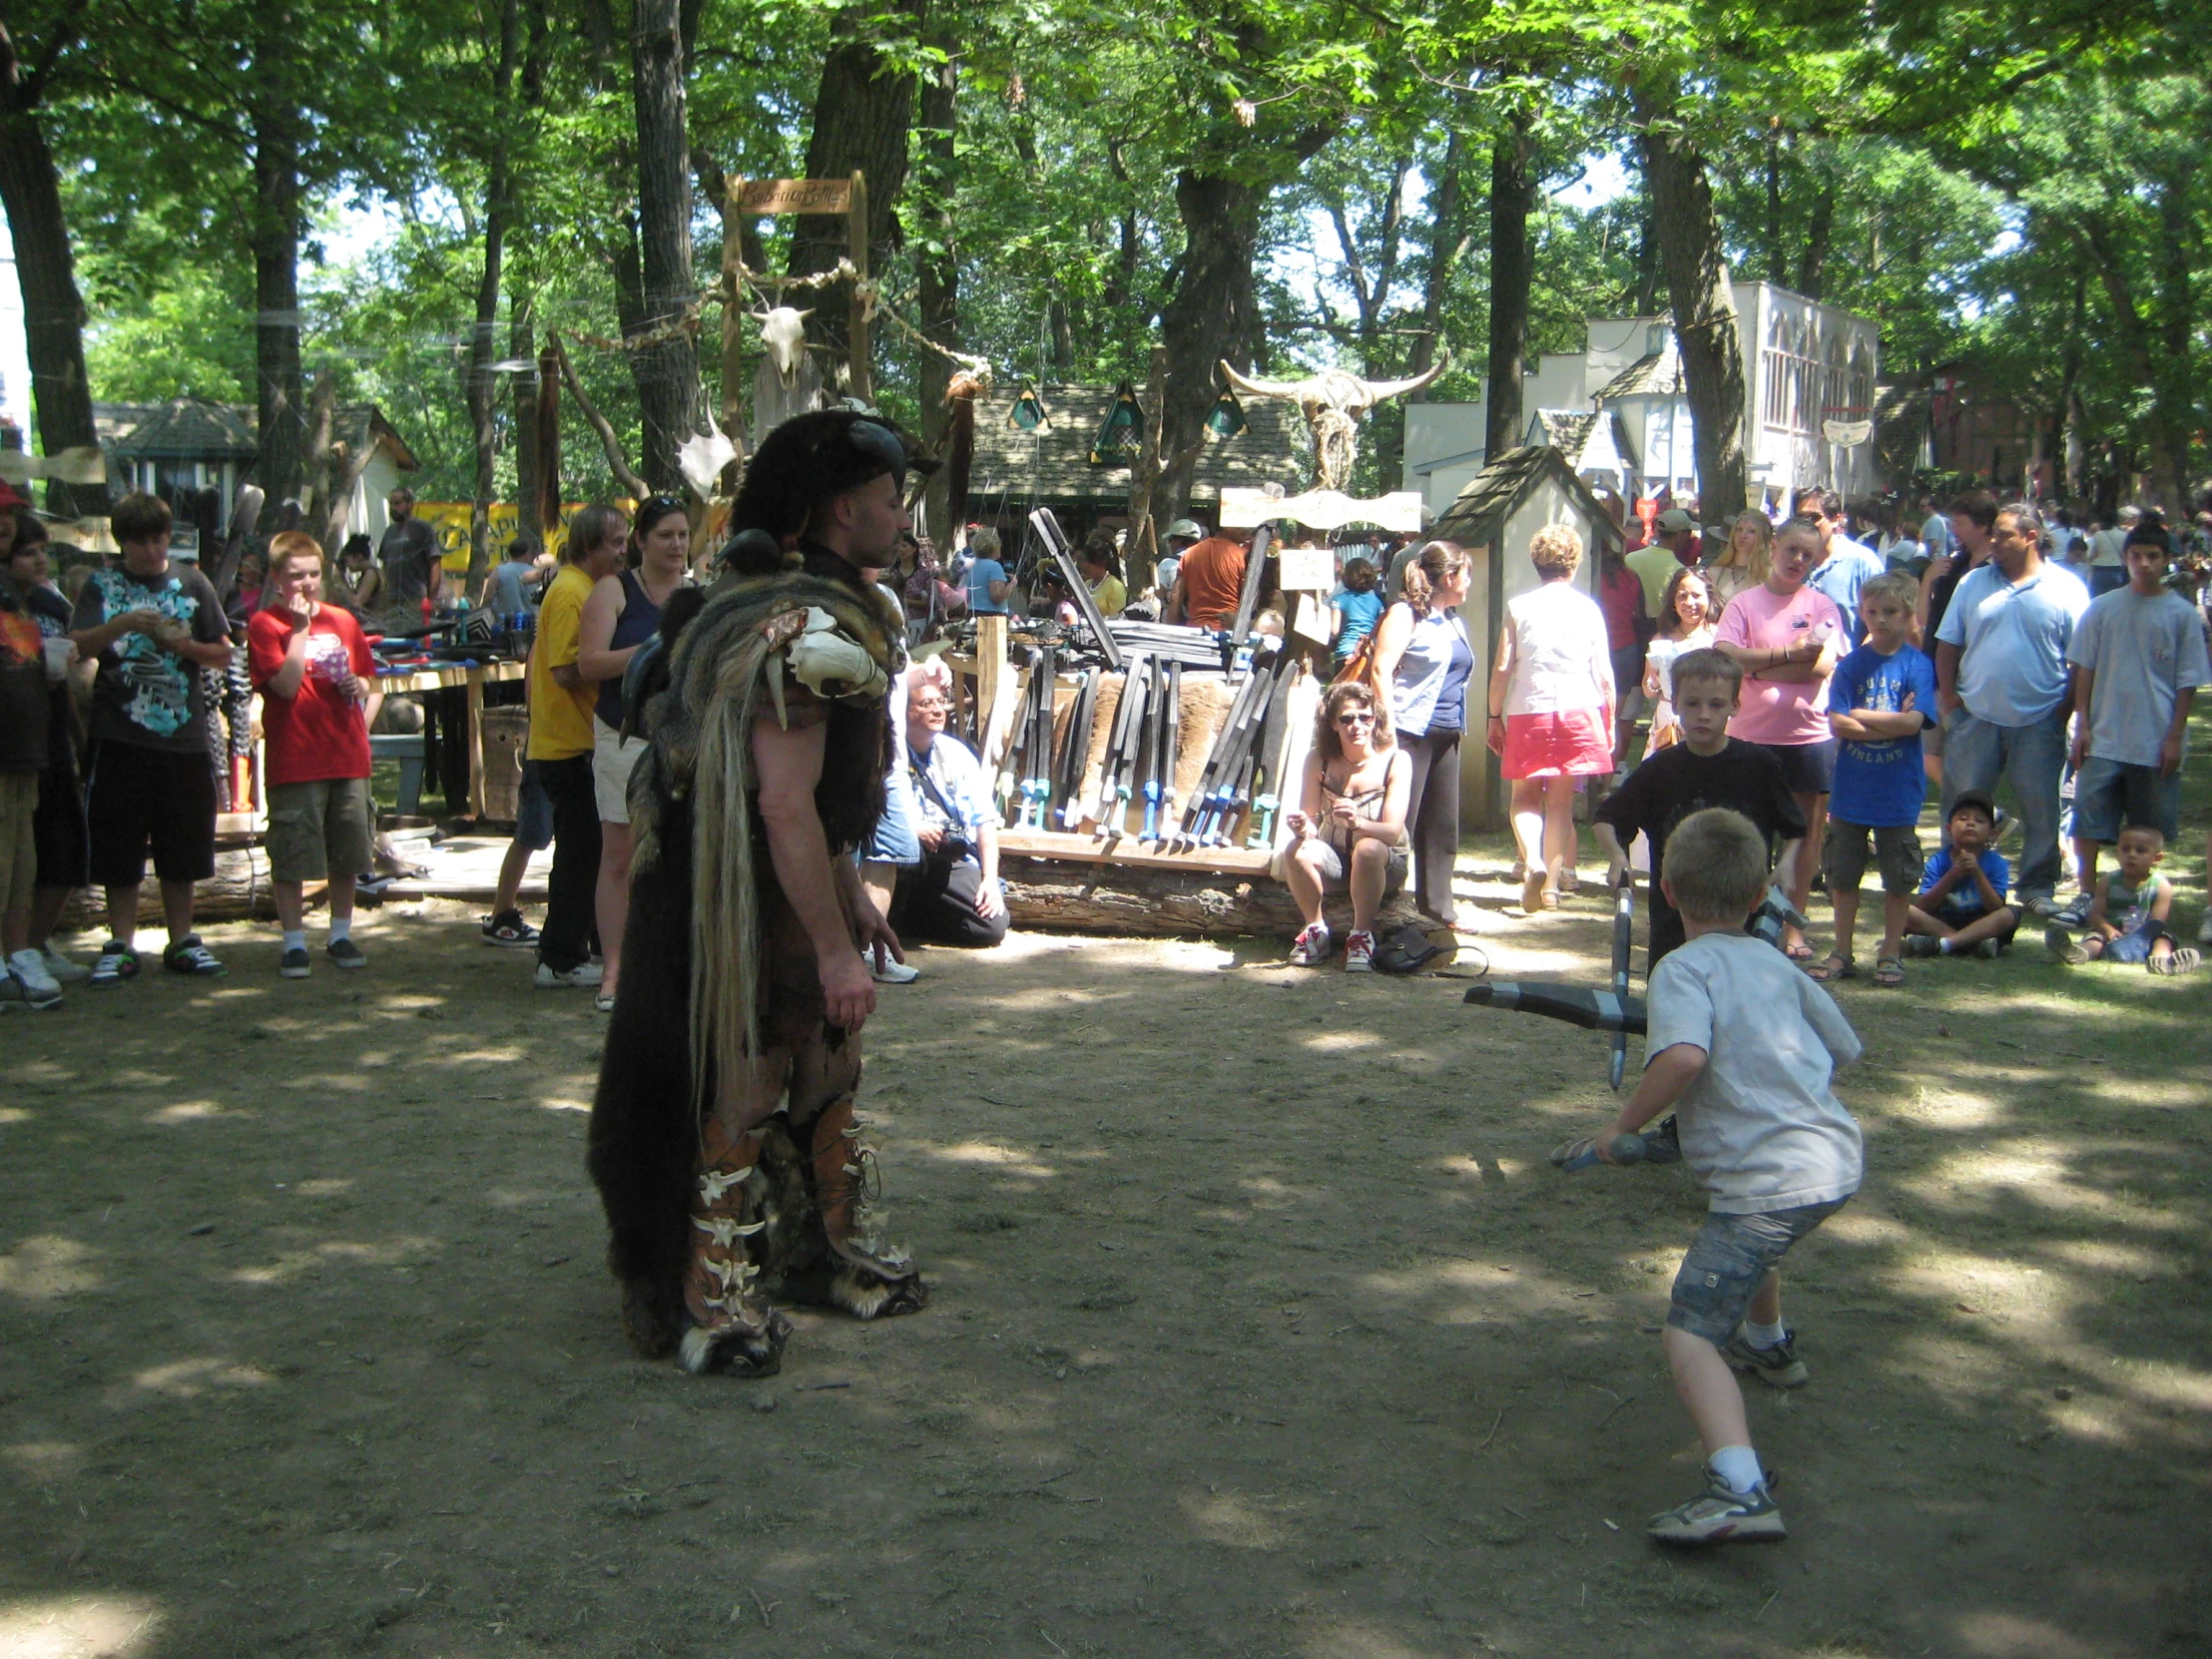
(1798, 953)
(1835, 966)
(1889, 970)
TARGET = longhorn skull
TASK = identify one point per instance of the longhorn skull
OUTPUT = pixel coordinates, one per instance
(1333, 403)
(783, 333)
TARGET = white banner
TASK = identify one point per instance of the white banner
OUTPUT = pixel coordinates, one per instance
(1399, 511)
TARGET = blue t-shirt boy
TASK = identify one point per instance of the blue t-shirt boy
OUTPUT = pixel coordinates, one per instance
(1359, 612)
(1881, 786)
(1964, 903)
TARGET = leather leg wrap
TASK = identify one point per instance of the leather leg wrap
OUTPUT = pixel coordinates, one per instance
(732, 1328)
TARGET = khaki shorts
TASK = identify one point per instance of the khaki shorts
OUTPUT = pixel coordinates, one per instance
(613, 759)
(18, 839)
(1896, 852)
(320, 827)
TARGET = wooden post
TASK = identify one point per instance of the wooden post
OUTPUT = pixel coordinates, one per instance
(995, 690)
(864, 381)
(1143, 551)
(475, 743)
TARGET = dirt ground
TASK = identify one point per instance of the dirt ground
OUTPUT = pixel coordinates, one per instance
(1260, 1327)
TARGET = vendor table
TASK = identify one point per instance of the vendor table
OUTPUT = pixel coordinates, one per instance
(456, 677)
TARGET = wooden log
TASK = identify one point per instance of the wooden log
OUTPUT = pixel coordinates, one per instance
(238, 891)
(1145, 902)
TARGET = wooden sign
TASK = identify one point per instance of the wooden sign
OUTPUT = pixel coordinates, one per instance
(1312, 569)
(759, 197)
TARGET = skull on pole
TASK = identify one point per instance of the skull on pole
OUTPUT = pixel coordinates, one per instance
(1333, 403)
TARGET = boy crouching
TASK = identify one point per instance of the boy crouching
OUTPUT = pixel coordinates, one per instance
(1742, 1047)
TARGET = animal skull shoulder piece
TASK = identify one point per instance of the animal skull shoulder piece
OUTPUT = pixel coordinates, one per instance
(1333, 403)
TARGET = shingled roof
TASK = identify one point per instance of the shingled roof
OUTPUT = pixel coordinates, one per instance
(1658, 375)
(191, 428)
(1479, 513)
(1053, 464)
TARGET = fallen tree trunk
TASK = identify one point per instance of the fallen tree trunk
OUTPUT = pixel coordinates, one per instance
(237, 891)
(1133, 902)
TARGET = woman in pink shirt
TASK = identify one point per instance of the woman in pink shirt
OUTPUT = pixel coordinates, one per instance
(1789, 637)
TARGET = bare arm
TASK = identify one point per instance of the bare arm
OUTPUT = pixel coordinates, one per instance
(1397, 788)
(1501, 672)
(1947, 675)
(1307, 820)
(2169, 755)
(601, 612)
(787, 765)
(284, 682)
(1667, 1076)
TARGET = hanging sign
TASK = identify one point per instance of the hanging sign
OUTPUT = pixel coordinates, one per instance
(1307, 569)
(758, 198)
(1398, 511)
(1848, 433)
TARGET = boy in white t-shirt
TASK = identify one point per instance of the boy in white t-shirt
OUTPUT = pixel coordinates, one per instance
(1742, 1047)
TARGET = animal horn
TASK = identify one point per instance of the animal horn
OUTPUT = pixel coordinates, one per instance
(1291, 389)
(1378, 390)
(804, 315)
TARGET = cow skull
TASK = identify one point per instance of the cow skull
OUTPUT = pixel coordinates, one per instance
(1333, 403)
(783, 333)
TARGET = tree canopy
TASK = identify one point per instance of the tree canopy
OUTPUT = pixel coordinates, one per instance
(1059, 186)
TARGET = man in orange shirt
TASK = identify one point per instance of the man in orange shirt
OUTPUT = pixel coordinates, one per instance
(1211, 582)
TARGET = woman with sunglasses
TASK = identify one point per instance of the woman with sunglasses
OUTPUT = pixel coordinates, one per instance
(623, 612)
(1350, 829)
(1423, 657)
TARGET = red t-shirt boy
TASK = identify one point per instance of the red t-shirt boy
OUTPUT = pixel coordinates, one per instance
(313, 668)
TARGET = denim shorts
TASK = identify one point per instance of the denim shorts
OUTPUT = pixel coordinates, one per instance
(895, 841)
(1726, 1262)
(533, 811)
(2111, 795)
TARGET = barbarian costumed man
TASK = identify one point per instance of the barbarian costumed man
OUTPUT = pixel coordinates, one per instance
(723, 1137)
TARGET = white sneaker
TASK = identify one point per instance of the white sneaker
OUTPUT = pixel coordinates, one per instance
(39, 987)
(63, 971)
(894, 972)
(582, 976)
(1312, 947)
(1359, 953)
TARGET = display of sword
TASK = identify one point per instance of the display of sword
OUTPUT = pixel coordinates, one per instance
(1155, 736)
(1008, 785)
(1624, 935)
(1209, 776)
(1077, 749)
(1265, 717)
(1236, 738)
(1171, 742)
(1037, 787)
(1268, 801)
(1113, 783)
(1247, 600)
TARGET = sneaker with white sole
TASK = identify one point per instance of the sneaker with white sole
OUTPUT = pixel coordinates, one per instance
(61, 968)
(1312, 946)
(38, 986)
(2183, 960)
(118, 963)
(1359, 953)
(1778, 1366)
(346, 953)
(582, 976)
(1720, 1515)
(508, 932)
(190, 957)
(894, 972)
(293, 964)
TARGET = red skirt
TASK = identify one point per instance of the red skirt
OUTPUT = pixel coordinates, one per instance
(1571, 742)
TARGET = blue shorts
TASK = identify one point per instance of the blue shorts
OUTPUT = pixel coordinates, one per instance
(2111, 795)
(533, 811)
(1727, 1261)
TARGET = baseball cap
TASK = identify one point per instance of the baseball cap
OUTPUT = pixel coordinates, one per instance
(1674, 519)
(1975, 798)
(1187, 527)
(2129, 515)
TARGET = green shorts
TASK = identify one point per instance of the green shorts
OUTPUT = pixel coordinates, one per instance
(1896, 852)
(315, 829)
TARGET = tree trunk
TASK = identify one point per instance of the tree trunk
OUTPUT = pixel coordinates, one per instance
(1646, 300)
(863, 111)
(1812, 271)
(530, 469)
(2146, 344)
(482, 391)
(937, 274)
(1512, 270)
(1446, 243)
(667, 373)
(1704, 304)
(275, 118)
(45, 269)
(1208, 318)
(2175, 405)
(1778, 261)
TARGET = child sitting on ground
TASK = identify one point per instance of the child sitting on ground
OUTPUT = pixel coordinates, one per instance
(1960, 909)
(1743, 1047)
(1876, 704)
(2127, 919)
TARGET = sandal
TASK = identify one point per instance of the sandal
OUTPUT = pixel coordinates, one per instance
(1532, 892)
(1889, 970)
(2183, 960)
(1798, 953)
(1836, 965)
(1550, 899)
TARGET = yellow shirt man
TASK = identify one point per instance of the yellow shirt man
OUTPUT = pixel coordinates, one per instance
(560, 716)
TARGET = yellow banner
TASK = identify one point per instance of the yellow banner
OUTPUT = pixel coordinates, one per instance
(450, 520)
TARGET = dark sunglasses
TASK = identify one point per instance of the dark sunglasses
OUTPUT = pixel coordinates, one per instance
(1356, 717)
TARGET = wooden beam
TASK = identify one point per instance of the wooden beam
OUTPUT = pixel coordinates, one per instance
(863, 381)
